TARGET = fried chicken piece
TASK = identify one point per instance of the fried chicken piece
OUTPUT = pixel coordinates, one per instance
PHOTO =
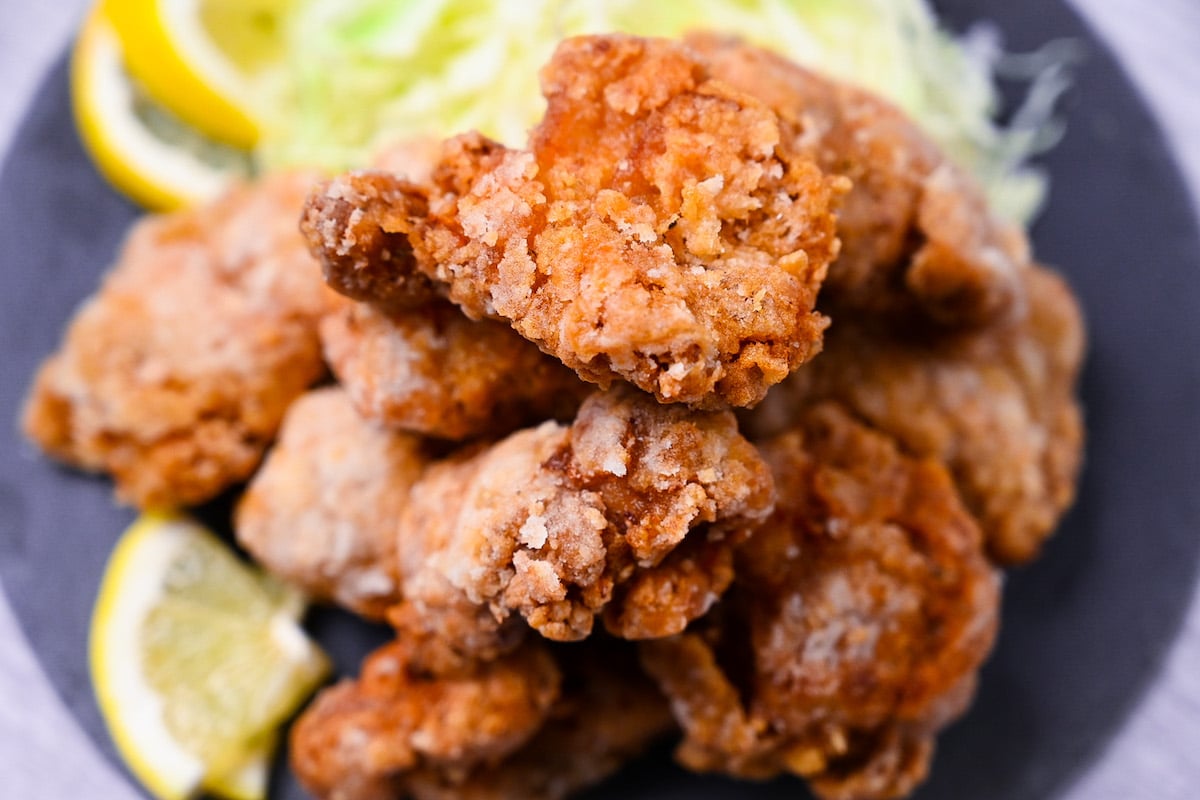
(528, 726)
(915, 229)
(176, 374)
(551, 523)
(660, 228)
(860, 613)
(360, 740)
(323, 510)
(996, 406)
(609, 713)
(433, 371)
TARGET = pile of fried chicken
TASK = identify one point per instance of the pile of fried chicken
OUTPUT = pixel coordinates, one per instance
(712, 413)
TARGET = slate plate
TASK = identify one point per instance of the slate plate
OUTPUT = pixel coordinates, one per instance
(1085, 628)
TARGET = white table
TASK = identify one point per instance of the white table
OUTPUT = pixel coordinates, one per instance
(45, 756)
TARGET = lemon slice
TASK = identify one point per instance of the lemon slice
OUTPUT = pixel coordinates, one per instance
(196, 659)
(247, 780)
(207, 61)
(138, 147)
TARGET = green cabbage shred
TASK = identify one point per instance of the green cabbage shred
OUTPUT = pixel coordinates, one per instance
(363, 73)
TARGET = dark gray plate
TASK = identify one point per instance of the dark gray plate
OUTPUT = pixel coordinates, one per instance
(1085, 628)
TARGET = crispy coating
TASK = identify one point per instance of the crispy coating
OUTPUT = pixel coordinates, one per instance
(682, 588)
(609, 712)
(660, 228)
(526, 726)
(433, 371)
(360, 740)
(550, 523)
(915, 229)
(860, 613)
(176, 374)
(359, 232)
(323, 510)
(996, 406)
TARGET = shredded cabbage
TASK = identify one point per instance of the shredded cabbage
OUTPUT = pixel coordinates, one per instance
(367, 72)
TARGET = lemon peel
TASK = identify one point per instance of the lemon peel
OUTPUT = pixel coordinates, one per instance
(154, 161)
(169, 52)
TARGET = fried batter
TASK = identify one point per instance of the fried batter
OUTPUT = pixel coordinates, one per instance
(361, 740)
(996, 406)
(608, 714)
(660, 228)
(176, 374)
(861, 610)
(402, 731)
(549, 523)
(915, 229)
(433, 371)
(323, 512)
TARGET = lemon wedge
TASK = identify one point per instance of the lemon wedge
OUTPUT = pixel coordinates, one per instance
(196, 659)
(247, 780)
(207, 61)
(139, 147)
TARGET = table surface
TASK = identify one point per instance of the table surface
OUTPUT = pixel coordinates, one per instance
(45, 756)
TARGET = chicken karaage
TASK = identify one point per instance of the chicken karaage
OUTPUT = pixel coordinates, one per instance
(860, 613)
(323, 511)
(550, 524)
(915, 229)
(660, 228)
(432, 371)
(174, 377)
(997, 406)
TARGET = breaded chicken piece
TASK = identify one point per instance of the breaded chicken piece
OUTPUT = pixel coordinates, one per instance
(660, 228)
(915, 229)
(997, 406)
(360, 740)
(609, 713)
(433, 371)
(176, 374)
(469, 734)
(552, 524)
(860, 613)
(323, 511)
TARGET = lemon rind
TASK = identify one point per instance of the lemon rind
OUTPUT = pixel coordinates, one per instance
(180, 70)
(138, 729)
(148, 171)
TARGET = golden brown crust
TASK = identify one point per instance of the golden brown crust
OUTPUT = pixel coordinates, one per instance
(657, 230)
(548, 522)
(358, 226)
(915, 229)
(380, 738)
(665, 598)
(609, 712)
(176, 374)
(433, 371)
(323, 510)
(361, 739)
(997, 406)
(858, 617)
